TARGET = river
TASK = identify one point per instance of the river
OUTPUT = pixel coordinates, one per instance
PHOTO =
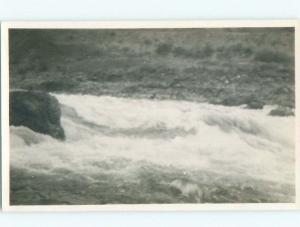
(129, 151)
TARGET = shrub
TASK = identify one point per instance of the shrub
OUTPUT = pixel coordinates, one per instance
(205, 51)
(164, 49)
(57, 85)
(181, 52)
(267, 55)
(236, 49)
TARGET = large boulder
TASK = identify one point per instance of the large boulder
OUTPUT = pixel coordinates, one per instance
(38, 111)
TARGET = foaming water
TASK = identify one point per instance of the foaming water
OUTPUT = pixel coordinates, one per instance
(121, 137)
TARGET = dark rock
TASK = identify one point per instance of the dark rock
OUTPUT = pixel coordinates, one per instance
(231, 101)
(254, 103)
(282, 111)
(38, 111)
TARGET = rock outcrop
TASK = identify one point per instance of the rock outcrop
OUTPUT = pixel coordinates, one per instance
(282, 111)
(38, 111)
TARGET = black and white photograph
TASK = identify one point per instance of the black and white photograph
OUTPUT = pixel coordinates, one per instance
(149, 115)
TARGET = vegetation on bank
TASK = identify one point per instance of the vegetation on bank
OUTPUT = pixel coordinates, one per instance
(253, 66)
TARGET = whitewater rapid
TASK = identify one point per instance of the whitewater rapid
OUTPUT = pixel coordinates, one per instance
(229, 141)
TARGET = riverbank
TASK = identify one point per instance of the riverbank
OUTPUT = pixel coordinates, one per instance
(230, 67)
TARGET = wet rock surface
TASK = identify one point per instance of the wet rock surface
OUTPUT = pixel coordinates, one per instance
(38, 111)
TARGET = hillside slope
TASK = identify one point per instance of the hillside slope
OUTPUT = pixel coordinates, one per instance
(253, 66)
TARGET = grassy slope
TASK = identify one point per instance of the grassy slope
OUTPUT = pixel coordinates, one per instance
(225, 66)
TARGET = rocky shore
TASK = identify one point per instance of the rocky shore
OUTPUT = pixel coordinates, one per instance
(232, 67)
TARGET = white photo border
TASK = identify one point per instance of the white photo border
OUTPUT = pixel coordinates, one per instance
(5, 26)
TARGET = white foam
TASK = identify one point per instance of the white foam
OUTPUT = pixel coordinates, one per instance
(227, 140)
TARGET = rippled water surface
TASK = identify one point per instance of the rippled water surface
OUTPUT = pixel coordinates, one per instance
(122, 150)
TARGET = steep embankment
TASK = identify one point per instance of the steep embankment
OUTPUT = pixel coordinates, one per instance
(222, 66)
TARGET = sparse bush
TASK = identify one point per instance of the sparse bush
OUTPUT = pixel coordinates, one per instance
(147, 42)
(105, 77)
(240, 49)
(42, 66)
(235, 50)
(57, 85)
(204, 52)
(181, 52)
(267, 55)
(112, 34)
(164, 49)
(207, 50)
